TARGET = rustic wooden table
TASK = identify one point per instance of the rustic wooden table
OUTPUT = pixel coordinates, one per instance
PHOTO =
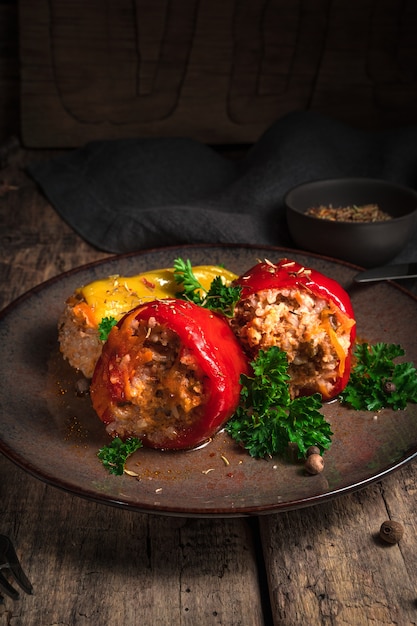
(94, 564)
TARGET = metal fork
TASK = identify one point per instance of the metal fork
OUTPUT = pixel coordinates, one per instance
(9, 561)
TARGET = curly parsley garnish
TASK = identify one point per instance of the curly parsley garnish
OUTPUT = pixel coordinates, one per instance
(105, 327)
(376, 382)
(115, 455)
(219, 297)
(267, 419)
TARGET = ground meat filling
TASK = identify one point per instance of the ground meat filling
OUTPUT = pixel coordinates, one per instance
(306, 327)
(79, 341)
(164, 390)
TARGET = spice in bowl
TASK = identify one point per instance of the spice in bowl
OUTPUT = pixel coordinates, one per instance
(354, 213)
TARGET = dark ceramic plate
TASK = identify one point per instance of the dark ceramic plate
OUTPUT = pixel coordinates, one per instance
(54, 435)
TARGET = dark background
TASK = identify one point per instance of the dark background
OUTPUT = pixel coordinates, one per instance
(220, 71)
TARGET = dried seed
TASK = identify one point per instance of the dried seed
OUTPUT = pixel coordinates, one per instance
(314, 464)
(312, 450)
(391, 531)
(130, 473)
(389, 387)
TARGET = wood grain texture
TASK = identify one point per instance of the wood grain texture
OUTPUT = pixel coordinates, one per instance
(92, 564)
(217, 71)
(89, 563)
(333, 565)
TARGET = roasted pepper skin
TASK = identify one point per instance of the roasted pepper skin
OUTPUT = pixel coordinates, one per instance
(208, 336)
(290, 274)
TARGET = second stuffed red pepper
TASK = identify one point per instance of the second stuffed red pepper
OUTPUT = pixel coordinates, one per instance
(169, 375)
(306, 314)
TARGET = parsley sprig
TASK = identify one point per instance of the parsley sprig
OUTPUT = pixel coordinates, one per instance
(377, 382)
(105, 327)
(220, 297)
(267, 419)
(115, 455)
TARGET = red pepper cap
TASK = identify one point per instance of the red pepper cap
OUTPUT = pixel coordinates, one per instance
(203, 334)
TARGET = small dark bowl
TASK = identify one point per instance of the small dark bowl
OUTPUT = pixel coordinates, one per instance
(367, 244)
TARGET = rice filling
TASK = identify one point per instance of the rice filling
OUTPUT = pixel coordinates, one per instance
(314, 334)
(163, 385)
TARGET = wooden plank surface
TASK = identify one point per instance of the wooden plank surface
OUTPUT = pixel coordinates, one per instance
(220, 71)
(329, 563)
(93, 564)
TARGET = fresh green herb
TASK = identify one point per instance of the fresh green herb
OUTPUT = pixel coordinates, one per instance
(267, 419)
(184, 275)
(105, 327)
(219, 297)
(376, 382)
(222, 298)
(115, 455)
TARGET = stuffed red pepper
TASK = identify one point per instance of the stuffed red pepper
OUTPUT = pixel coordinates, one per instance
(169, 375)
(306, 314)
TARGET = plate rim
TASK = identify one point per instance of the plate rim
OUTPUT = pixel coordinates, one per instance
(180, 511)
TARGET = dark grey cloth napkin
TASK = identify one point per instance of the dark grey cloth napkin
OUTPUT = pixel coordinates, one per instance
(126, 195)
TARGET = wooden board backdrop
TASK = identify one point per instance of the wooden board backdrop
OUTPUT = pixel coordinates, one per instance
(220, 71)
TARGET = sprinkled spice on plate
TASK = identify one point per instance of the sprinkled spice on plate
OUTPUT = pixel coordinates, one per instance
(354, 213)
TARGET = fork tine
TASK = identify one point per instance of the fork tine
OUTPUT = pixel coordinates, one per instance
(17, 571)
(5, 587)
(9, 560)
